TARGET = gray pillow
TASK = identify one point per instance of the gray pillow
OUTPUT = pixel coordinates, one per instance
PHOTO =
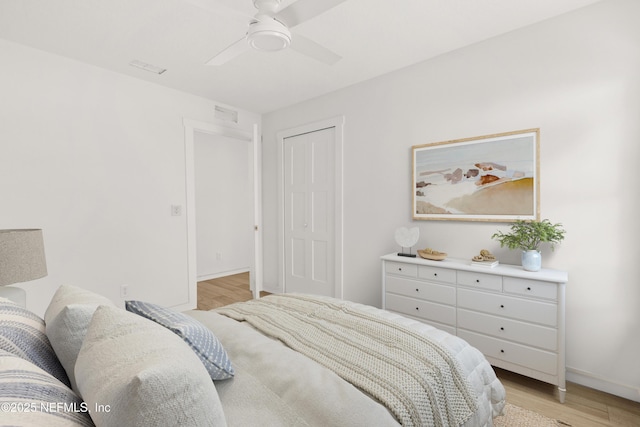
(144, 373)
(200, 338)
(23, 333)
(33, 397)
(67, 319)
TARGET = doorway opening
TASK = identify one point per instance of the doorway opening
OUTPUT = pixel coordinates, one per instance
(239, 249)
(224, 221)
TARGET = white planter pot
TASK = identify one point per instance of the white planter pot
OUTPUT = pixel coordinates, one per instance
(531, 260)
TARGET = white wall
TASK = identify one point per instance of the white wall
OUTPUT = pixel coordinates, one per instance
(224, 205)
(576, 78)
(96, 160)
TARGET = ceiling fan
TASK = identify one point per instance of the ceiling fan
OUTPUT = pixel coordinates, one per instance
(269, 30)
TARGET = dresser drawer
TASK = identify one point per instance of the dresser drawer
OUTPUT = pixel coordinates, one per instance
(436, 273)
(421, 309)
(402, 269)
(426, 291)
(480, 280)
(531, 288)
(532, 358)
(506, 306)
(508, 329)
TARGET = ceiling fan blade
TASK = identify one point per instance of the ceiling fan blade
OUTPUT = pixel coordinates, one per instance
(303, 10)
(313, 50)
(230, 52)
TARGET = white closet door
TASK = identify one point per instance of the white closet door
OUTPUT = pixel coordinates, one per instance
(309, 212)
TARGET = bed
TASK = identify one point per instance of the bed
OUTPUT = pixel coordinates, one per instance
(282, 360)
(270, 365)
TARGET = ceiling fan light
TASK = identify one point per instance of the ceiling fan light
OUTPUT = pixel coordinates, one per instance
(269, 35)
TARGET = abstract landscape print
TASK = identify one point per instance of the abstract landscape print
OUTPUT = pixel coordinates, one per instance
(486, 178)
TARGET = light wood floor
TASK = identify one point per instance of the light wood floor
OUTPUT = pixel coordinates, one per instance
(584, 407)
(224, 291)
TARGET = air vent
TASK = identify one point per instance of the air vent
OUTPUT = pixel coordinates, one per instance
(226, 114)
(147, 67)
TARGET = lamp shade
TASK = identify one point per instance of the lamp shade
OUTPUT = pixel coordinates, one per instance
(21, 256)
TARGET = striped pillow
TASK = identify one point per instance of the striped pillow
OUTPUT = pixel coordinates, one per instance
(200, 338)
(23, 333)
(31, 397)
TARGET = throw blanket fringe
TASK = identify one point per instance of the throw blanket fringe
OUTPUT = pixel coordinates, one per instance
(417, 379)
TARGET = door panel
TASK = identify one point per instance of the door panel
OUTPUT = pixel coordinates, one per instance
(298, 258)
(320, 267)
(320, 203)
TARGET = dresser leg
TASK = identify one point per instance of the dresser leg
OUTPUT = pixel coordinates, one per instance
(561, 394)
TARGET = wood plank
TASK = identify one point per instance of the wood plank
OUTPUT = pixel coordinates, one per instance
(583, 406)
(222, 291)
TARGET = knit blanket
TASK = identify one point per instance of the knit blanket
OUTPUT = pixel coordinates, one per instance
(417, 379)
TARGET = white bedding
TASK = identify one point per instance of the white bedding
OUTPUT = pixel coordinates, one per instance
(479, 372)
(276, 386)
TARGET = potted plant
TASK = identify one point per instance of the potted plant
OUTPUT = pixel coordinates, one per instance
(527, 236)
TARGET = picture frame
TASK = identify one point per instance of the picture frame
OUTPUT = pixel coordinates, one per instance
(486, 178)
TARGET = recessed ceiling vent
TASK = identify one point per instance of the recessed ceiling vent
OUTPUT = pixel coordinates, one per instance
(226, 114)
(147, 67)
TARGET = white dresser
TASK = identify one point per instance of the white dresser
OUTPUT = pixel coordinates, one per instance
(514, 317)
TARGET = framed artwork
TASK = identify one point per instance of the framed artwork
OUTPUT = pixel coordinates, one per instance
(486, 178)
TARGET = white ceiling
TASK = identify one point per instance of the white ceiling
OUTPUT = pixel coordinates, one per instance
(373, 37)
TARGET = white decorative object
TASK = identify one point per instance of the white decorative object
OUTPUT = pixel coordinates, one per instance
(514, 317)
(406, 238)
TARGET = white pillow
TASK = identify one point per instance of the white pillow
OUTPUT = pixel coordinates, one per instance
(33, 397)
(67, 294)
(145, 374)
(67, 319)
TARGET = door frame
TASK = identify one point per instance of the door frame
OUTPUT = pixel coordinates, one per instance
(251, 136)
(338, 124)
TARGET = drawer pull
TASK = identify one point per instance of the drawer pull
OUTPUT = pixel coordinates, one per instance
(528, 288)
(435, 274)
(502, 328)
(417, 308)
(501, 305)
(501, 351)
(417, 290)
(477, 280)
(399, 268)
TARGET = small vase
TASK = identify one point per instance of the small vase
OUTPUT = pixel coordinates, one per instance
(531, 260)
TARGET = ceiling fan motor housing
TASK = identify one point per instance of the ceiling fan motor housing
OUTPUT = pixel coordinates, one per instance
(268, 34)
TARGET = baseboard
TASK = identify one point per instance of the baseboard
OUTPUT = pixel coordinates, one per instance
(222, 274)
(271, 288)
(590, 380)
